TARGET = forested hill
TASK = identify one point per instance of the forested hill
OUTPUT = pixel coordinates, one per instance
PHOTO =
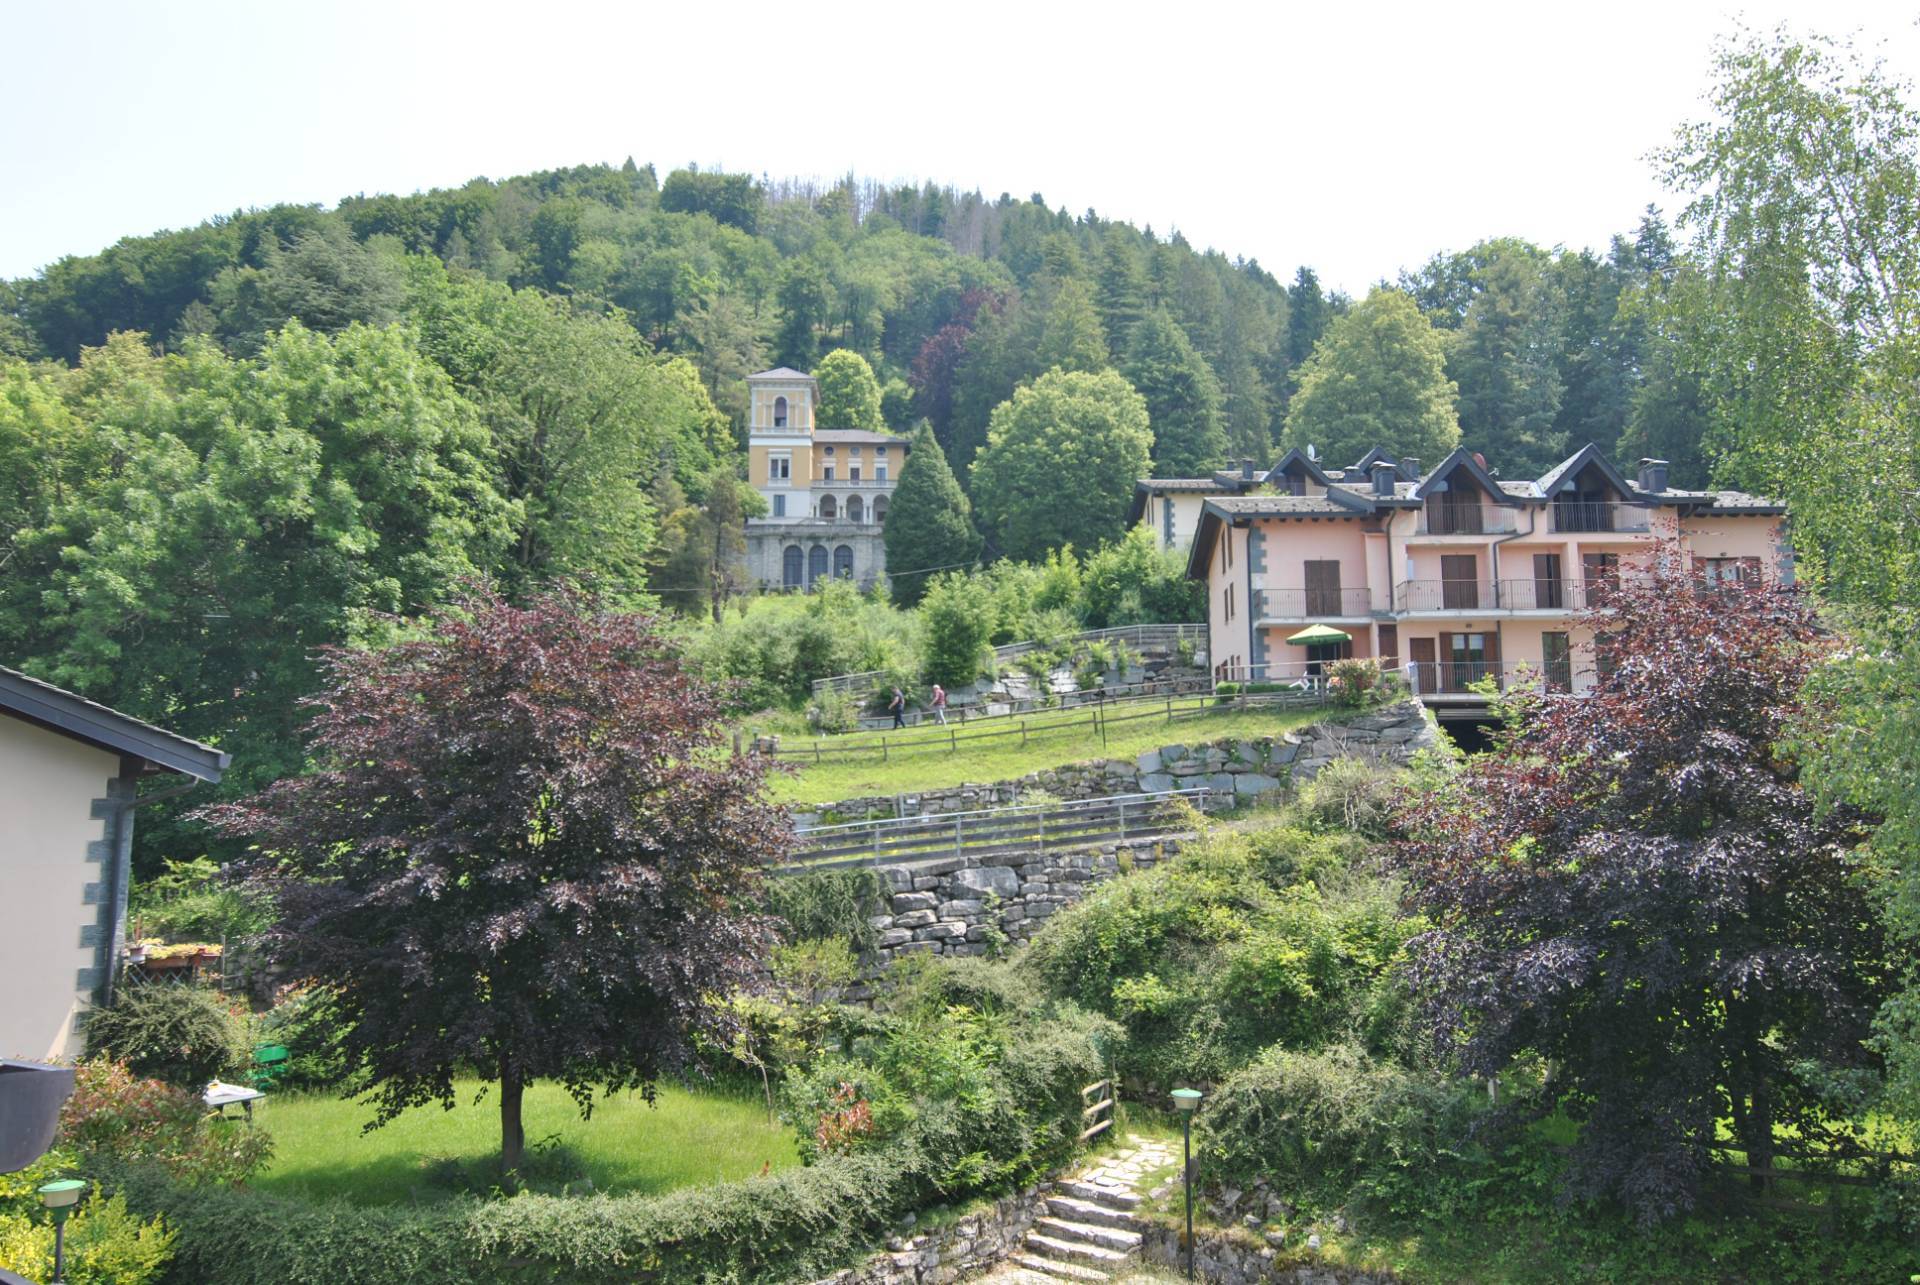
(956, 299)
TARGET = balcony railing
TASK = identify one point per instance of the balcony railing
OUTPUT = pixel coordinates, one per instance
(1439, 519)
(1313, 604)
(1457, 677)
(1445, 595)
(1574, 517)
(839, 483)
(1563, 594)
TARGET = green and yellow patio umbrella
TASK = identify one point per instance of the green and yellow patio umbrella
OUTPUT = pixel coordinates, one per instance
(1321, 634)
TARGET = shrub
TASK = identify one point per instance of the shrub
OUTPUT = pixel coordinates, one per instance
(183, 1033)
(1132, 580)
(1335, 1124)
(834, 712)
(958, 618)
(113, 1116)
(188, 902)
(105, 1245)
(1354, 793)
(829, 904)
(305, 1023)
(1352, 681)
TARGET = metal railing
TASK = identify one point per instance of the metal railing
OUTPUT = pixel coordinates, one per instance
(1445, 595)
(1030, 827)
(1482, 519)
(1140, 637)
(864, 483)
(1594, 516)
(1310, 604)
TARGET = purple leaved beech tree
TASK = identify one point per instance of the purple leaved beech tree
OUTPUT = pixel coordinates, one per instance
(522, 848)
(1632, 888)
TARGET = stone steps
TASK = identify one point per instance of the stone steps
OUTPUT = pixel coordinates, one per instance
(1082, 1252)
(1050, 1269)
(1090, 1211)
(1115, 1238)
(1100, 1194)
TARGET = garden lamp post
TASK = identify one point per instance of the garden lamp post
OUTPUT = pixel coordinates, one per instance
(60, 1198)
(1187, 1100)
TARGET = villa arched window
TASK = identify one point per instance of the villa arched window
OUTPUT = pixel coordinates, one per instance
(816, 563)
(793, 564)
(879, 508)
(779, 412)
(828, 509)
(843, 562)
(855, 512)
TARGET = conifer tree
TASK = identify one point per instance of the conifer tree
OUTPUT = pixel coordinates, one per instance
(1183, 398)
(929, 522)
(1073, 338)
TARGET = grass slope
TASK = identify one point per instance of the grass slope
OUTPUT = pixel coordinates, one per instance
(689, 1137)
(917, 759)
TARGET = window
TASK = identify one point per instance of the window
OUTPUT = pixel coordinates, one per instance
(826, 471)
(779, 466)
(1556, 658)
(880, 469)
(1602, 571)
(1228, 597)
(827, 507)
(1296, 484)
(1726, 571)
(843, 562)
(1606, 657)
(855, 511)
(879, 508)
(1469, 658)
(779, 412)
(793, 566)
(816, 563)
(1454, 513)
(779, 506)
(853, 472)
(1322, 654)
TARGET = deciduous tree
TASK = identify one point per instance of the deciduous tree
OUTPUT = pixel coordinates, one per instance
(1634, 887)
(1060, 463)
(849, 394)
(522, 848)
(1378, 377)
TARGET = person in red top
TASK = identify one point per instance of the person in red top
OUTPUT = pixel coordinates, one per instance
(940, 704)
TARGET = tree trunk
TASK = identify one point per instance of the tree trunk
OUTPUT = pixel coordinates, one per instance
(513, 1135)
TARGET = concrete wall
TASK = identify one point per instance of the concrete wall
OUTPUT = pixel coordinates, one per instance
(53, 870)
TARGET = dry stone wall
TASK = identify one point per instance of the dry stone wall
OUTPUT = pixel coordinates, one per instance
(951, 1253)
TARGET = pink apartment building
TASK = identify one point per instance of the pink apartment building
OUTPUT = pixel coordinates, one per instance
(1454, 575)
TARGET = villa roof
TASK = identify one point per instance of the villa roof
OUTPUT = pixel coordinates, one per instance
(1334, 503)
(780, 373)
(1462, 458)
(62, 711)
(1297, 456)
(1588, 455)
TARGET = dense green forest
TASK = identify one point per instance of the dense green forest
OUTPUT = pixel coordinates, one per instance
(955, 299)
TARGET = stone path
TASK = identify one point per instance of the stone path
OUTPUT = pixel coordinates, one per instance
(1089, 1232)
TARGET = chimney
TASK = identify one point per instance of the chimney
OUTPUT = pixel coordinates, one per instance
(1246, 470)
(1383, 475)
(1412, 466)
(1653, 476)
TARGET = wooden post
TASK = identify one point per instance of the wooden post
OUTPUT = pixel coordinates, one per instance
(1023, 733)
(953, 740)
(883, 747)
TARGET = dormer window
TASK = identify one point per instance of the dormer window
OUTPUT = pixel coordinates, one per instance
(779, 412)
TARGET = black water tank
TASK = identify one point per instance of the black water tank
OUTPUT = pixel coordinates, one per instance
(31, 1095)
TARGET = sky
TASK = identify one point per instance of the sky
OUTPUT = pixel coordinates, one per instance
(1358, 138)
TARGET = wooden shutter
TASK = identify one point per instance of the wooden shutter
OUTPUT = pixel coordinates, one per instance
(1547, 591)
(1459, 581)
(1323, 588)
(1389, 643)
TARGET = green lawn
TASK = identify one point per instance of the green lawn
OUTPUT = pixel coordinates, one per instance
(917, 760)
(688, 1137)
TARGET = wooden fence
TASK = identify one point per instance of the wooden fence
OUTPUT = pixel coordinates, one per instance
(1138, 636)
(1032, 827)
(1097, 1113)
(1096, 721)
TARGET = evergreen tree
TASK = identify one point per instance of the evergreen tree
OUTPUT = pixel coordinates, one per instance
(1123, 283)
(849, 394)
(1073, 338)
(1378, 377)
(1503, 364)
(1308, 315)
(929, 522)
(1183, 398)
(805, 302)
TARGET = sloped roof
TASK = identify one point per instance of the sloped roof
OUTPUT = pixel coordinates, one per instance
(1300, 457)
(1589, 454)
(780, 372)
(73, 715)
(1461, 458)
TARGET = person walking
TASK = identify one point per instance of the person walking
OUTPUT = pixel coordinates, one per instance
(940, 704)
(898, 708)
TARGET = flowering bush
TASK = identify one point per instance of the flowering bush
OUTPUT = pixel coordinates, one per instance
(1352, 681)
(115, 1113)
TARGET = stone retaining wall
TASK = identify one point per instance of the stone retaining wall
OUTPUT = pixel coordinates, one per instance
(969, 1245)
(979, 905)
(1242, 1260)
(1253, 766)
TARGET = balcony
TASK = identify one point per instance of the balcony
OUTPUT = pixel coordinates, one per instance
(863, 483)
(1445, 595)
(1456, 678)
(1581, 517)
(1314, 604)
(1441, 519)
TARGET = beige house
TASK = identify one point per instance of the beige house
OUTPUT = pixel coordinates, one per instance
(1454, 575)
(827, 488)
(70, 777)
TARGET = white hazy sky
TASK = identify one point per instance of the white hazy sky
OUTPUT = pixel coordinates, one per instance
(1357, 137)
